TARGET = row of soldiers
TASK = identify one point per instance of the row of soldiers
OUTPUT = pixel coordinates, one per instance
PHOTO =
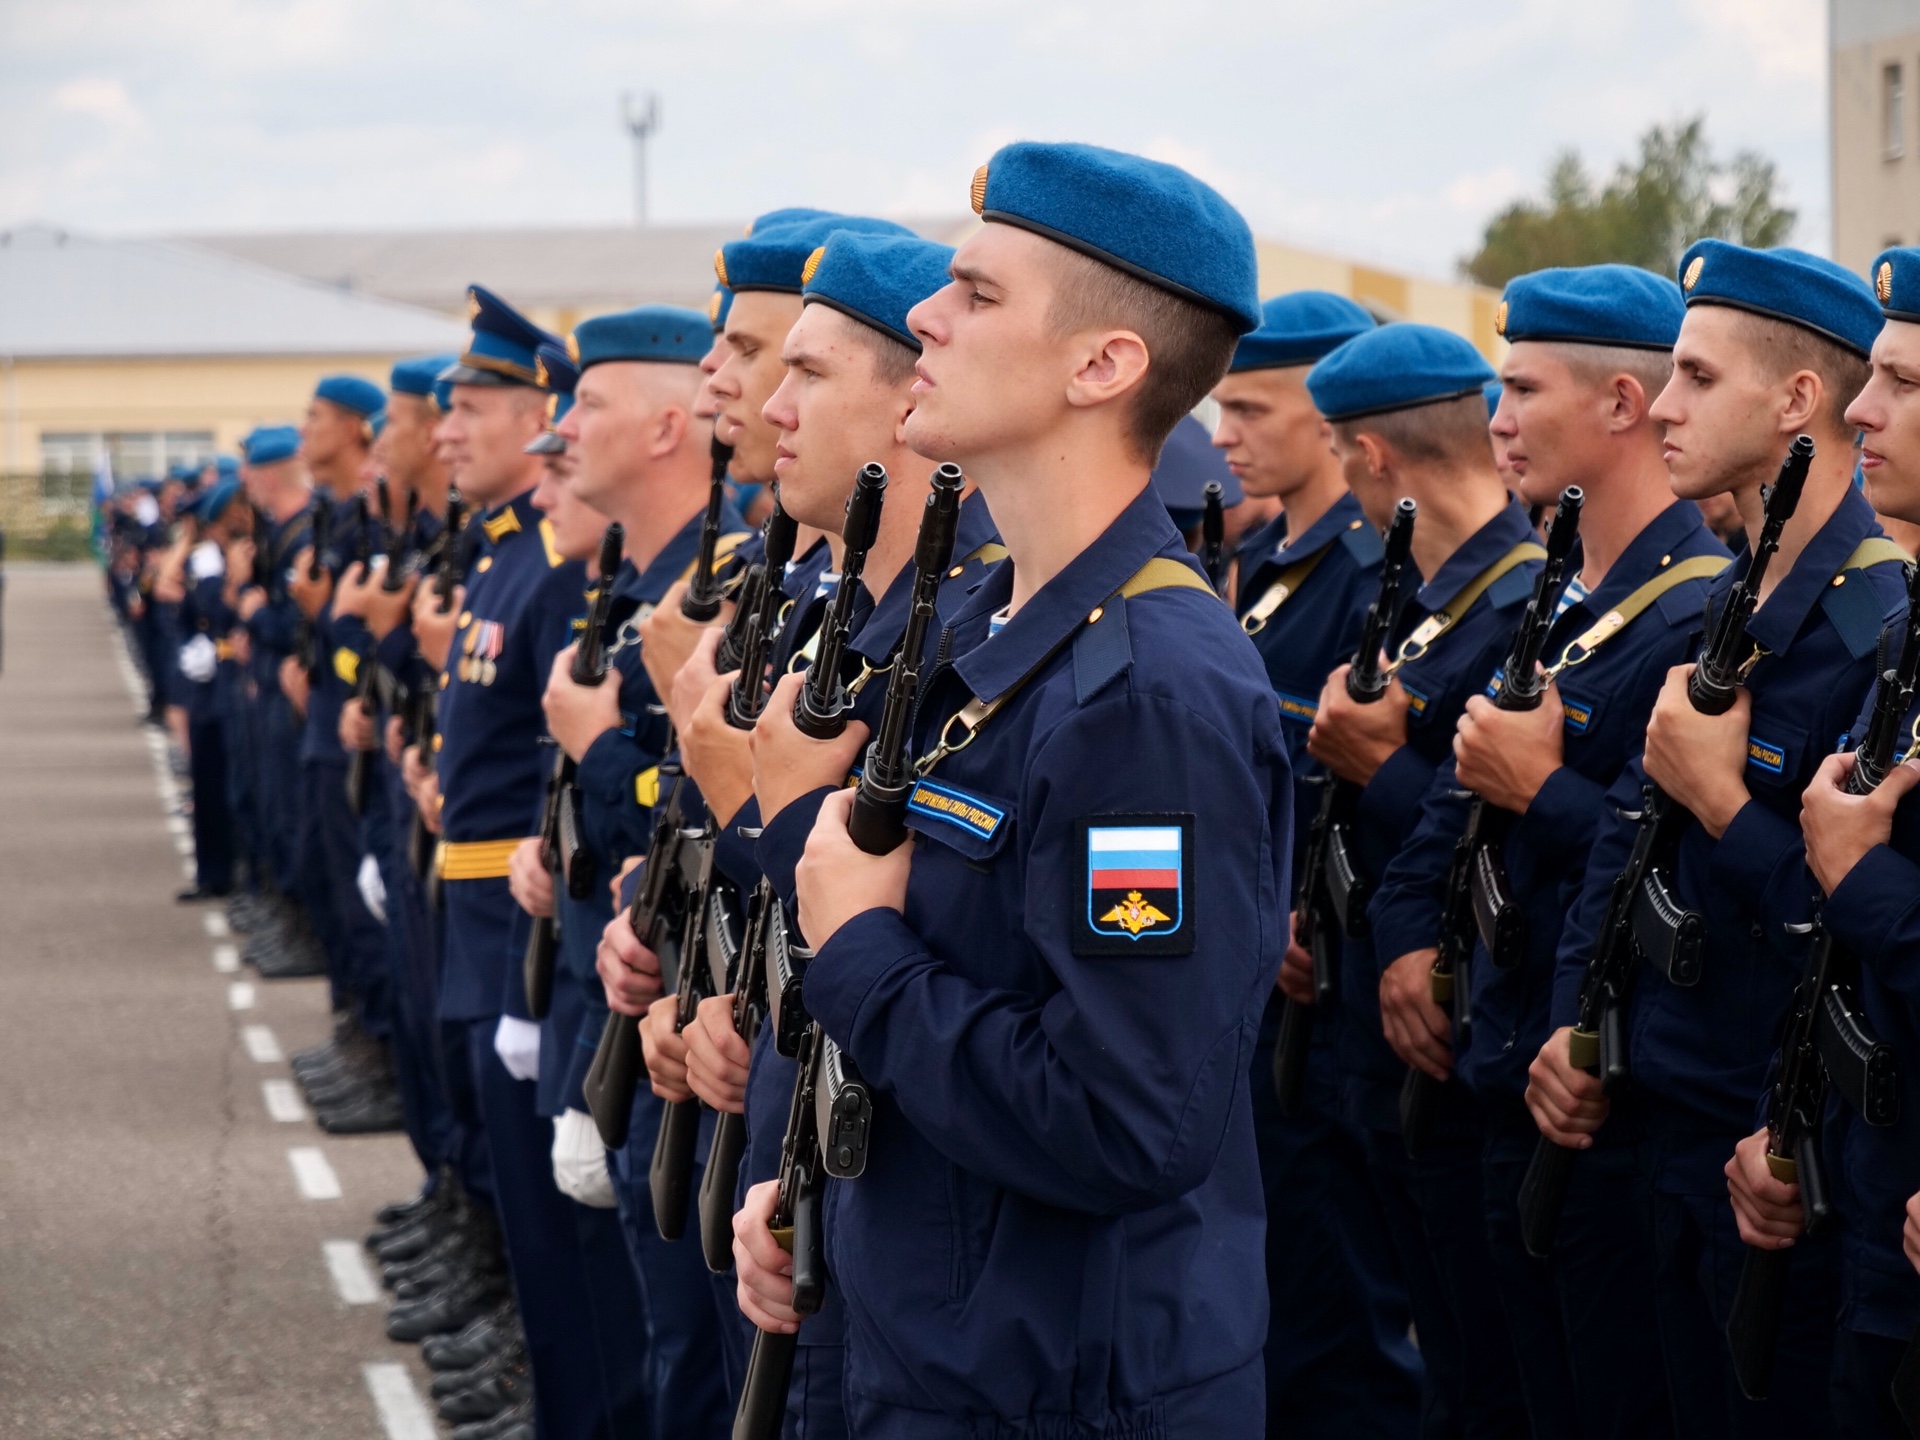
(914, 965)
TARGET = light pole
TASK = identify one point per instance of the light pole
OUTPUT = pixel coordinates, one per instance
(642, 116)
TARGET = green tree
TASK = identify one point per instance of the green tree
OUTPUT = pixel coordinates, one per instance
(1646, 214)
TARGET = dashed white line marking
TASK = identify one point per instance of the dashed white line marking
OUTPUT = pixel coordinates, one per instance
(262, 1047)
(216, 924)
(313, 1174)
(352, 1279)
(403, 1414)
(283, 1102)
(226, 959)
(240, 995)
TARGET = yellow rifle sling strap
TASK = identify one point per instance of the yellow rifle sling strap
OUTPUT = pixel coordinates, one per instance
(1443, 620)
(1285, 585)
(1700, 567)
(1875, 550)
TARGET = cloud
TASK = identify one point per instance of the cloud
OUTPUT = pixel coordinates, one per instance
(99, 99)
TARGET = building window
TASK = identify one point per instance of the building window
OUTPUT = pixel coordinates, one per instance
(1893, 95)
(131, 454)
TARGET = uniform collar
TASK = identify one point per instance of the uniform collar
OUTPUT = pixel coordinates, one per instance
(1141, 531)
(1777, 621)
(517, 516)
(1343, 515)
(1486, 545)
(878, 625)
(675, 559)
(1675, 531)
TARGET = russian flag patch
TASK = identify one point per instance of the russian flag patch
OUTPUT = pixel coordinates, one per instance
(1137, 881)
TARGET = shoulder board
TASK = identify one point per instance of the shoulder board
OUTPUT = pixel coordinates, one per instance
(1682, 604)
(1511, 588)
(1104, 648)
(1856, 611)
(1363, 542)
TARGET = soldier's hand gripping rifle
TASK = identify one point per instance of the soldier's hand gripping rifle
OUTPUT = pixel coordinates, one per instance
(1213, 538)
(1643, 920)
(560, 849)
(830, 1121)
(657, 914)
(450, 569)
(360, 762)
(820, 712)
(1478, 903)
(1826, 1046)
(1332, 892)
(670, 1175)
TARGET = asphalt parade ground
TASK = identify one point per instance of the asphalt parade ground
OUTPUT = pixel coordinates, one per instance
(180, 1246)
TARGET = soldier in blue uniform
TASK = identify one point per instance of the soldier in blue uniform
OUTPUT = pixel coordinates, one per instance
(1055, 1003)
(1591, 348)
(1861, 852)
(498, 643)
(206, 664)
(1409, 420)
(1774, 344)
(1337, 1353)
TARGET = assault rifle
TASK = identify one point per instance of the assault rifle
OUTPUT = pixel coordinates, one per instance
(450, 569)
(830, 1121)
(1213, 537)
(702, 601)
(360, 762)
(820, 711)
(560, 848)
(1478, 902)
(1826, 1046)
(1643, 919)
(657, 914)
(670, 1176)
(1331, 889)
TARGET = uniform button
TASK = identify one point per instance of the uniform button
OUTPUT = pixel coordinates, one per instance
(466, 619)
(436, 744)
(486, 564)
(444, 678)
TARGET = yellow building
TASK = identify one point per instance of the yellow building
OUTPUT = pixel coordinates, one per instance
(1874, 57)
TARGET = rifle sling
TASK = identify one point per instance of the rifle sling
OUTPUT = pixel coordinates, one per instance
(1443, 620)
(1582, 648)
(1285, 586)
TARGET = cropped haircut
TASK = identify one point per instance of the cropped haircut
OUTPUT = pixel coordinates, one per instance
(893, 360)
(1188, 345)
(1783, 349)
(1598, 364)
(1444, 431)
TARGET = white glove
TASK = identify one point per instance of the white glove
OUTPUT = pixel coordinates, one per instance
(517, 1043)
(199, 659)
(373, 889)
(580, 1161)
(206, 560)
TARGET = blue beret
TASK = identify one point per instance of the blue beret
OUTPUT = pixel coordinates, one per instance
(1299, 329)
(350, 392)
(1784, 284)
(1187, 462)
(271, 443)
(443, 392)
(226, 467)
(416, 376)
(662, 334)
(789, 215)
(773, 258)
(1896, 281)
(150, 483)
(876, 279)
(558, 375)
(718, 304)
(1593, 305)
(501, 348)
(183, 470)
(1154, 221)
(213, 501)
(1395, 368)
(1493, 392)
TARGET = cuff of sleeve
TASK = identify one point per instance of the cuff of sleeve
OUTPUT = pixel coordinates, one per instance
(606, 771)
(350, 633)
(1866, 908)
(1559, 822)
(1751, 851)
(844, 970)
(1388, 802)
(784, 839)
(733, 852)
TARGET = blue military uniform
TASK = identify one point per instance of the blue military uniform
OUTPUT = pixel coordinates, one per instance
(1337, 1352)
(1698, 1054)
(1448, 639)
(1583, 1328)
(1057, 1029)
(206, 667)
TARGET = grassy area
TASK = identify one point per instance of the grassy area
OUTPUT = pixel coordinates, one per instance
(64, 540)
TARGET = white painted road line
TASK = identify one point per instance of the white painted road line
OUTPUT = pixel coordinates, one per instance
(226, 959)
(313, 1174)
(403, 1414)
(347, 1264)
(240, 995)
(283, 1101)
(215, 923)
(262, 1048)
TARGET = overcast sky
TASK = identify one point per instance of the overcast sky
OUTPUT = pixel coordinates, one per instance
(1384, 129)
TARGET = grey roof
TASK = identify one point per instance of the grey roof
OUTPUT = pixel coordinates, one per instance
(67, 295)
(586, 268)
